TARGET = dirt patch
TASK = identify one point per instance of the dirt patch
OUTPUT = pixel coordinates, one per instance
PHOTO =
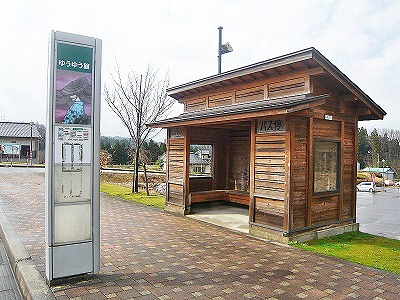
(125, 179)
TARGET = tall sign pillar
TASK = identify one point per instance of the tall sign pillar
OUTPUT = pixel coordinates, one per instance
(72, 156)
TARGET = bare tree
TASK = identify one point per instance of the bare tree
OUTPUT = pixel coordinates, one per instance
(145, 159)
(137, 101)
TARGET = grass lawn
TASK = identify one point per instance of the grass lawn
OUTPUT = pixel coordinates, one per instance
(157, 201)
(362, 248)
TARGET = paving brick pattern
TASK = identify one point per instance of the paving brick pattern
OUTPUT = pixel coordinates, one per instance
(8, 287)
(149, 254)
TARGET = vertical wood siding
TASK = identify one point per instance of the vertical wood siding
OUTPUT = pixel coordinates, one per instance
(176, 175)
(239, 160)
(325, 207)
(299, 173)
(349, 159)
(269, 179)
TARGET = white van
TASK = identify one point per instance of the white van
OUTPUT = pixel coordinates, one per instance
(366, 187)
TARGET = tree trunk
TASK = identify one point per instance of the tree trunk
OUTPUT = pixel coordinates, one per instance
(135, 183)
(145, 179)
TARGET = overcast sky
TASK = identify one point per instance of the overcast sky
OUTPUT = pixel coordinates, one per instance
(362, 38)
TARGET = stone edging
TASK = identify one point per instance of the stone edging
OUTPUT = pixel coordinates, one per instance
(31, 284)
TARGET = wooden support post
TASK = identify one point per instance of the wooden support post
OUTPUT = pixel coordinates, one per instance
(167, 167)
(354, 202)
(186, 165)
(341, 157)
(307, 82)
(228, 159)
(288, 207)
(310, 171)
(253, 131)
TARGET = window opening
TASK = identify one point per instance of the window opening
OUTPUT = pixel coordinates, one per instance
(201, 162)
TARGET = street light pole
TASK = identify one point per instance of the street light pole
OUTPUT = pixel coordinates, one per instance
(219, 48)
(383, 173)
(30, 149)
(369, 153)
(222, 49)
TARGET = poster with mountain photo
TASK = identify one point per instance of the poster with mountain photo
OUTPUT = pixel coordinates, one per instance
(74, 91)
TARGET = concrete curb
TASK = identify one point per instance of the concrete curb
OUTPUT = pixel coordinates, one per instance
(31, 284)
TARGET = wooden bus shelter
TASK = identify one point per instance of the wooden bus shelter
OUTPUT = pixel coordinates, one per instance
(283, 138)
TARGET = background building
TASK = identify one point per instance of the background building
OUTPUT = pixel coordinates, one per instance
(386, 173)
(18, 141)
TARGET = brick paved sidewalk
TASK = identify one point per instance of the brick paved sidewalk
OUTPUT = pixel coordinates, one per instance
(8, 287)
(150, 254)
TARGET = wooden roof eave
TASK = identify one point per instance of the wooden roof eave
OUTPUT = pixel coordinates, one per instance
(188, 89)
(177, 92)
(351, 86)
(227, 119)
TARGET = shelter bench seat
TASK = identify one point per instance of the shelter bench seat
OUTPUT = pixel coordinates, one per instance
(241, 197)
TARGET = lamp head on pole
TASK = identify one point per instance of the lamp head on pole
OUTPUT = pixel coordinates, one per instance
(226, 48)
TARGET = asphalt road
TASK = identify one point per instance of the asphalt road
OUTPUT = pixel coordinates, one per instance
(24, 168)
(379, 213)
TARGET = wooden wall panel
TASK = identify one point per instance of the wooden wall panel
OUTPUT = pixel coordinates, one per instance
(276, 86)
(324, 209)
(299, 173)
(175, 193)
(250, 94)
(349, 160)
(201, 184)
(324, 128)
(239, 160)
(176, 171)
(203, 135)
(176, 160)
(270, 166)
(269, 212)
(319, 86)
(195, 104)
(269, 179)
(220, 100)
(287, 87)
(331, 107)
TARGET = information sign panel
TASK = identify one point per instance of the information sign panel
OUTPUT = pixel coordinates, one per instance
(11, 148)
(72, 156)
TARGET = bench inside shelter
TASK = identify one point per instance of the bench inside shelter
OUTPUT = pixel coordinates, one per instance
(240, 197)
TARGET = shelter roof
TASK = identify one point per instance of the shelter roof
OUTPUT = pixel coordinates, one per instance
(240, 111)
(18, 130)
(297, 61)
